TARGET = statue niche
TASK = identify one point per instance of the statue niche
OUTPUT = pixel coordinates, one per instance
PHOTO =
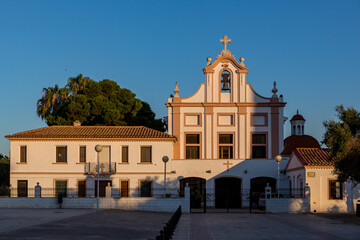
(225, 82)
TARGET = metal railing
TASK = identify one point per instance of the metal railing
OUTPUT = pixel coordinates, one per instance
(167, 232)
(104, 168)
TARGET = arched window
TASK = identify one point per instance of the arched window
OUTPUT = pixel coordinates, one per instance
(294, 129)
(225, 80)
(298, 129)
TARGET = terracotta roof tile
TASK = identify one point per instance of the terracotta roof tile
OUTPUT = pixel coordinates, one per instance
(95, 132)
(315, 156)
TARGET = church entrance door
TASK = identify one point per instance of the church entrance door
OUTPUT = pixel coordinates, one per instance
(197, 190)
(228, 192)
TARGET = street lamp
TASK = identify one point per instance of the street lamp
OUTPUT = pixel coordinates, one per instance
(278, 159)
(165, 159)
(98, 149)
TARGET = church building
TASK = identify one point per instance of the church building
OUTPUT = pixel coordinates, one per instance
(227, 134)
(224, 138)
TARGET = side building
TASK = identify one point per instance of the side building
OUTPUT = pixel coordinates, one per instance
(63, 158)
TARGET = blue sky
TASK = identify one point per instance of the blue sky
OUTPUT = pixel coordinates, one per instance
(311, 48)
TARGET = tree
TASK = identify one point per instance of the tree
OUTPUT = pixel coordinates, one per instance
(146, 115)
(77, 84)
(4, 171)
(95, 103)
(52, 97)
(343, 139)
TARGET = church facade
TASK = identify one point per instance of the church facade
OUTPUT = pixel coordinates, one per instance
(227, 134)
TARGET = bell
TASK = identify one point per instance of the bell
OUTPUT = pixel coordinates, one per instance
(225, 82)
(225, 86)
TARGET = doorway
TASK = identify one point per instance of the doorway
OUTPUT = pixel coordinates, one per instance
(228, 192)
(102, 187)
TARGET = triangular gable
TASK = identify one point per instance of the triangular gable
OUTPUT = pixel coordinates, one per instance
(294, 162)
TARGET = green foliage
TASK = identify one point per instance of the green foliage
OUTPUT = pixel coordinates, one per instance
(4, 171)
(95, 103)
(343, 138)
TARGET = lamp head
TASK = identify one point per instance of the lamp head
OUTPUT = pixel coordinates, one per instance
(98, 148)
(165, 159)
(278, 158)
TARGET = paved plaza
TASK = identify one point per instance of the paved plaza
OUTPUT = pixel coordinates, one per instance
(232, 226)
(117, 224)
(80, 224)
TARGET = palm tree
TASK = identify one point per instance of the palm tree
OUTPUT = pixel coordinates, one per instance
(77, 84)
(52, 97)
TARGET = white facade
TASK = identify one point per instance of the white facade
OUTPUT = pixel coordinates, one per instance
(319, 179)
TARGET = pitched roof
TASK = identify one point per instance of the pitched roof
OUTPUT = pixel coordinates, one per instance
(92, 132)
(299, 141)
(315, 156)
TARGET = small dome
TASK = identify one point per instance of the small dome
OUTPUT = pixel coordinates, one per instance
(297, 117)
(299, 141)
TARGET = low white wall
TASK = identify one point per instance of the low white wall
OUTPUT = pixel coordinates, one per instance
(287, 205)
(144, 204)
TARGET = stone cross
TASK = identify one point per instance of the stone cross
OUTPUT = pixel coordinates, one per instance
(227, 165)
(225, 40)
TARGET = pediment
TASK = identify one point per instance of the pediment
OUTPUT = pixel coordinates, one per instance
(225, 58)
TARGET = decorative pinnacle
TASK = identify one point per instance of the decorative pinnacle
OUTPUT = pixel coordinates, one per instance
(274, 90)
(208, 61)
(177, 90)
(242, 61)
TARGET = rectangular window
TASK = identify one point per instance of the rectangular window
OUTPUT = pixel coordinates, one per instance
(83, 154)
(335, 189)
(23, 154)
(60, 188)
(82, 188)
(61, 154)
(192, 146)
(226, 146)
(145, 188)
(146, 154)
(259, 149)
(125, 154)
(22, 188)
(124, 188)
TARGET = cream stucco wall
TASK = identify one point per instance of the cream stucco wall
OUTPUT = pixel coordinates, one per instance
(41, 163)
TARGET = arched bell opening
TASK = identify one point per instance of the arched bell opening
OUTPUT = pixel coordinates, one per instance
(225, 81)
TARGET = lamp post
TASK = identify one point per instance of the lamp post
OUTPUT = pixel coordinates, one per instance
(98, 149)
(165, 159)
(278, 159)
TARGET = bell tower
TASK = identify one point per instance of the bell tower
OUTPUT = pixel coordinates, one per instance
(297, 124)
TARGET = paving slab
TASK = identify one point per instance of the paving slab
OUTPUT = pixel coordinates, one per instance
(232, 226)
(77, 224)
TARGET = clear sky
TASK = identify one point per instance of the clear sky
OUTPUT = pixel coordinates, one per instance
(311, 48)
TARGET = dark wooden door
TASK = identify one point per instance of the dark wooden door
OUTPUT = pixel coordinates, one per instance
(22, 188)
(82, 188)
(124, 188)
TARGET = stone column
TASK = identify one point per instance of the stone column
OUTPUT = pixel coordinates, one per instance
(108, 191)
(307, 205)
(38, 191)
(185, 208)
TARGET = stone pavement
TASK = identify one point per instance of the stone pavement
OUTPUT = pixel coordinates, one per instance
(80, 224)
(232, 226)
